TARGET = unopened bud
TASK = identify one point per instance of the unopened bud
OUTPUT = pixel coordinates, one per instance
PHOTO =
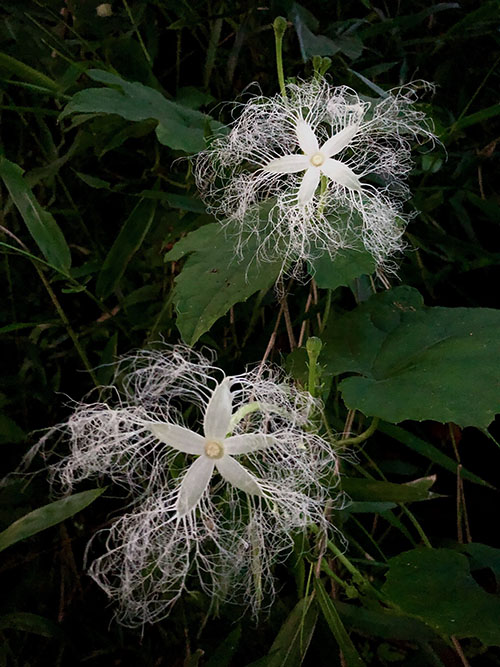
(313, 347)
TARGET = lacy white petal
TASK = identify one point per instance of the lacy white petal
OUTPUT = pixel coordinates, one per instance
(193, 485)
(234, 473)
(338, 172)
(309, 185)
(244, 444)
(178, 437)
(218, 413)
(288, 164)
(339, 141)
(306, 138)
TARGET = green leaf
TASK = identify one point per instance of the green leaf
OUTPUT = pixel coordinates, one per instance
(179, 127)
(482, 556)
(310, 44)
(10, 65)
(384, 623)
(349, 651)
(374, 490)
(106, 368)
(291, 643)
(436, 586)
(93, 181)
(430, 452)
(342, 269)
(10, 432)
(41, 225)
(128, 241)
(213, 278)
(224, 653)
(47, 516)
(417, 362)
(33, 623)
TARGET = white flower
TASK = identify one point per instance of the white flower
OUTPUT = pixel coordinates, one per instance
(217, 505)
(215, 450)
(317, 161)
(314, 172)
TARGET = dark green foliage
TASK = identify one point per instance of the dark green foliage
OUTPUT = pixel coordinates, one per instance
(106, 247)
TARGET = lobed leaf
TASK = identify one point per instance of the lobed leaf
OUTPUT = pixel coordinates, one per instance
(416, 362)
(436, 586)
(213, 278)
(179, 127)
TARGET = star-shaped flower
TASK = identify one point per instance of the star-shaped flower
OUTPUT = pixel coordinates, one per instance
(214, 450)
(313, 172)
(317, 160)
(178, 530)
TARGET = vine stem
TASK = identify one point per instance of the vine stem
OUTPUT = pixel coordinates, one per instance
(358, 439)
(280, 26)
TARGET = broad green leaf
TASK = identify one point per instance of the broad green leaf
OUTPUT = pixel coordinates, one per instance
(342, 269)
(47, 516)
(384, 623)
(291, 643)
(224, 653)
(40, 223)
(32, 623)
(179, 127)
(127, 242)
(213, 278)
(374, 490)
(436, 586)
(416, 362)
(331, 615)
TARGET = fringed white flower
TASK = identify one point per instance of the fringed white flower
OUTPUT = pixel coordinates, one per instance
(315, 172)
(213, 505)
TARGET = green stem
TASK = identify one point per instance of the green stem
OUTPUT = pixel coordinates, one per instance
(358, 439)
(326, 312)
(279, 26)
(313, 347)
(68, 326)
(416, 525)
(136, 30)
(358, 577)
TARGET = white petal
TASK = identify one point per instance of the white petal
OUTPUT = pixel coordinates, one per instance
(288, 164)
(218, 414)
(306, 138)
(244, 444)
(309, 185)
(339, 173)
(194, 484)
(234, 473)
(339, 141)
(178, 437)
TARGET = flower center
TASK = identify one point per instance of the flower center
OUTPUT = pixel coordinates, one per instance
(317, 159)
(214, 449)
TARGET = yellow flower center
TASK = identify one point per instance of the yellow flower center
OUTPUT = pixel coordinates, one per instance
(317, 159)
(214, 449)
